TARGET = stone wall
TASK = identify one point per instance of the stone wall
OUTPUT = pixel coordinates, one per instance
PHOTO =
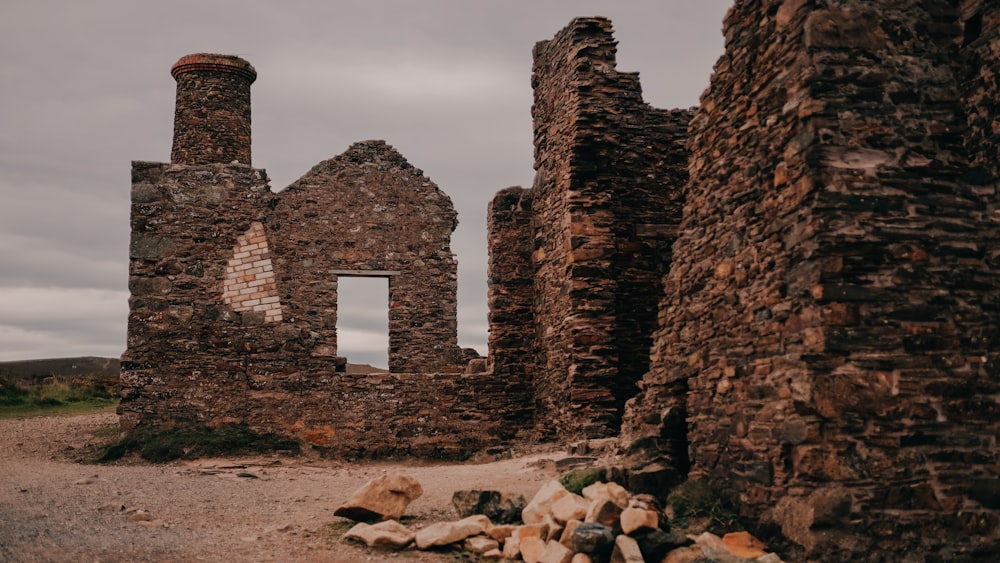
(511, 290)
(981, 82)
(604, 207)
(233, 307)
(368, 212)
(829, 322)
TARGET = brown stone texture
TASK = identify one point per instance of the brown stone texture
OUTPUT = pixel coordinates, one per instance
(829, 324)
(599, 220)
(212, 111)
(511, 290)
(369, 212)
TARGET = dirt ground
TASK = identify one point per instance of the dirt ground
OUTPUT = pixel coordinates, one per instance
(55, 508)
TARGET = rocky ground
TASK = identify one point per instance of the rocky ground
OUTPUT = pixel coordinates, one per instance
(53, 507)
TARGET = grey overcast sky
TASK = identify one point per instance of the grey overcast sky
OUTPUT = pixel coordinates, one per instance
(85, 88)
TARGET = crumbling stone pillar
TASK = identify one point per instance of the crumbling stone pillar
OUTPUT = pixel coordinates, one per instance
(212, 113)
(511, 291)
(604, 209)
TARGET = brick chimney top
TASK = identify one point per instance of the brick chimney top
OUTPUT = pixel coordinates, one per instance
(214, 63)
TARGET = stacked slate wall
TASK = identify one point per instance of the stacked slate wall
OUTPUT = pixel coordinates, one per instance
(830, 319)
(511, 291)
(603, 212)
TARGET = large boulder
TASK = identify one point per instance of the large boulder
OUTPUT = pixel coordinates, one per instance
(383, 498)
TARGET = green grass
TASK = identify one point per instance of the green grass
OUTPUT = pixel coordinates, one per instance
(697, 499)
(57, 395)
(578, 479)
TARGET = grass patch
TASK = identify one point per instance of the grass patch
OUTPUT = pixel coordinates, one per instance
(57, 395)
(161, 445)
(697, 499)
(578, 479)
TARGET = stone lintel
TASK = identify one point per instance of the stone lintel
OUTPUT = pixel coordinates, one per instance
(365, 273)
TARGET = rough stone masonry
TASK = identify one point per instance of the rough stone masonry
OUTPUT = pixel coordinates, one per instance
(790, 291)
(233, 307)
(826, 342)
(829, 327)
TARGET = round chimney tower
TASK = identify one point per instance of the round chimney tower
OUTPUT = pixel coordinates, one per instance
(212, 115)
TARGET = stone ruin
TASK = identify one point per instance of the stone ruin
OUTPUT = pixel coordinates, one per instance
(233, 307)
(790, 291)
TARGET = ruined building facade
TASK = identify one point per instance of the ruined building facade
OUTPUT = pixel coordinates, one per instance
(233, 307)
(790, 291)
(826, 349)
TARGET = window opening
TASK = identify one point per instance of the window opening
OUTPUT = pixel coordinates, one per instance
(363, 320)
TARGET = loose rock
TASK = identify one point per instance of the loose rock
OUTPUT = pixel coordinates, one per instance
(383, 498)
(444, 533)
(390, 534)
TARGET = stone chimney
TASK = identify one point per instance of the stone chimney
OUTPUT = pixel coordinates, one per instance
(212, 115)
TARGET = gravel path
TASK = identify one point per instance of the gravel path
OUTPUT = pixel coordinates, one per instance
(53, 508)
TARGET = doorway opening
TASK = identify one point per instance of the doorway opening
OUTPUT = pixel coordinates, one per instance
(363, 321)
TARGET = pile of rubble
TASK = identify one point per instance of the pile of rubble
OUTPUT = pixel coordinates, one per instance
(602, 524)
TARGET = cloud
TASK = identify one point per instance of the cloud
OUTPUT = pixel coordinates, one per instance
(40, 322)
(87, 89)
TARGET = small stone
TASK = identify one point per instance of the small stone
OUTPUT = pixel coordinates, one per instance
(654, 478)
(541, 504)
(445, 533)
(493, 554)
(633, 519)
(532, 549)
(646, 501)
(606, 512)
(592, 538)
(581, 558)
(389, 534)
(556, 552)
(481, 544)
(383, 498)
(566, 538)
(742, 544)
(607, 491)
(512, 546)
(712, 545)
(626, 551)
(570, 507)
(500, 533)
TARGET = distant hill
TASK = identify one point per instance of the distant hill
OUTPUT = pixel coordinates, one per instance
(33, 369)
(90, 365)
